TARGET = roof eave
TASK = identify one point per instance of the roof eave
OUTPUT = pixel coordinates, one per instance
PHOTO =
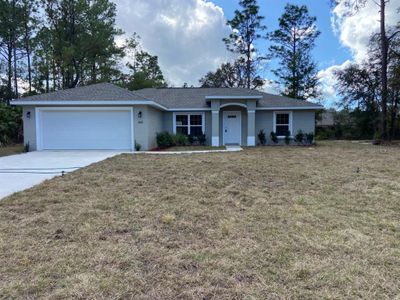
(234, 97)
(87, 103)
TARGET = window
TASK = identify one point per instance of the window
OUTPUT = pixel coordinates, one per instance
(282, 123)
(189, 124)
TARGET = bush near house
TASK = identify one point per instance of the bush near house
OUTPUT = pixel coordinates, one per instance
(299, 137)
(274, 137)
(167, 140)
(262, 138)
(164, 140)
(288, 138)
(10, 125)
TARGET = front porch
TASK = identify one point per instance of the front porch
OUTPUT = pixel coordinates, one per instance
(233, 122)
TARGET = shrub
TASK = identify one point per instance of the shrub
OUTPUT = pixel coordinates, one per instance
(202, 139)
(10, 124)
(310, 138)
(274, 137)
(197, 139)
(164, 140)
(180, 139)
(137, 146)
(262, 138)
(288, 138)
(325, 134)
(299, 138)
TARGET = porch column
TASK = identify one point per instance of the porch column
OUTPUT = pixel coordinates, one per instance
(215, 105)
(251, 123)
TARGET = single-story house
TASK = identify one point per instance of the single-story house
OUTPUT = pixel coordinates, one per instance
(105, 116)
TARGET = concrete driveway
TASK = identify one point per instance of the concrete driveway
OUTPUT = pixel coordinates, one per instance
(22, 171)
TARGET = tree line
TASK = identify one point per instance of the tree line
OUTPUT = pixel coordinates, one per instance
(46, 45)
(370, 90)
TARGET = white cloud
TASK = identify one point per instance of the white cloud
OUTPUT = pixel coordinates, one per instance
(271, 86)
(356, 29)
(328, 82)
(186, 35)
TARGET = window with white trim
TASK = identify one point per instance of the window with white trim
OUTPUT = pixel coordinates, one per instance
(189, 124)
(282, 123)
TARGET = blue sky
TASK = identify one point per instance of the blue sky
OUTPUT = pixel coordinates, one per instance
(328, 50)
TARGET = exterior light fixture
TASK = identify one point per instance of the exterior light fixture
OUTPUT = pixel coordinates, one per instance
(28, 115)
(140, 114)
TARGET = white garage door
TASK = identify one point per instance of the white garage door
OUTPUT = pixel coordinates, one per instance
(81, 129)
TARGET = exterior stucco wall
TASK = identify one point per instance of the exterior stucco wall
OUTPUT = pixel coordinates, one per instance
(154, 125)
(302, 120)
(140, 127)
(154, 121)
(264, 121)
(168, 122)
(208, 127)
(29, 126)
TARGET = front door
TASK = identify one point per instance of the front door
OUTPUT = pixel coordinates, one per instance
(232, 127)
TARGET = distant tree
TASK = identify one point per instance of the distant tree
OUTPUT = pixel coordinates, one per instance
(83, 40)
(385, 40)
(10, 30)
(247, 28)
(292, 46)
(145, 71)
(228, 75)
(29, 23)
(360, 90)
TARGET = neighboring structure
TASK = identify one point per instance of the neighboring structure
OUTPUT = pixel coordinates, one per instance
(327, 119)
(104, 116)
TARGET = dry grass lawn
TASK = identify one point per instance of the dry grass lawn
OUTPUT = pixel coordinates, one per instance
(266, 223)
(11, 150)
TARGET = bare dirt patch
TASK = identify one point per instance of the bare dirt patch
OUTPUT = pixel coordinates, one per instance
(11, 150)
(264, 223)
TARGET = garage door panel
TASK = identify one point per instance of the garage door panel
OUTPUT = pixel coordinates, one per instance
(86, 129)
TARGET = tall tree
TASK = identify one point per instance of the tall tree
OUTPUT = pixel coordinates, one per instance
(29, 22)
(10, 28)
(247, 28)
(83, 37)
(292, 45)
(228, 75)
(144, 70)
(353, 7)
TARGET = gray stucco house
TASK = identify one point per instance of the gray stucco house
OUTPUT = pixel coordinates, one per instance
(104, 116)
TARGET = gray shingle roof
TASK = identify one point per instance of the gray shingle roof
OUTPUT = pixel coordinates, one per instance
(171, 98)
(195, 97)
(95, 92)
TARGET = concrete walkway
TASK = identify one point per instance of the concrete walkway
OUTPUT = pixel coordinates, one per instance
(22, 171)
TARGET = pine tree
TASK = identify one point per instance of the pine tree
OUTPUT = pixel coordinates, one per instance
(247, 28)
(292, 46)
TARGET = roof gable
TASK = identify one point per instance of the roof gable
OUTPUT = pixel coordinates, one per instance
(94, 92)
(180, 98)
